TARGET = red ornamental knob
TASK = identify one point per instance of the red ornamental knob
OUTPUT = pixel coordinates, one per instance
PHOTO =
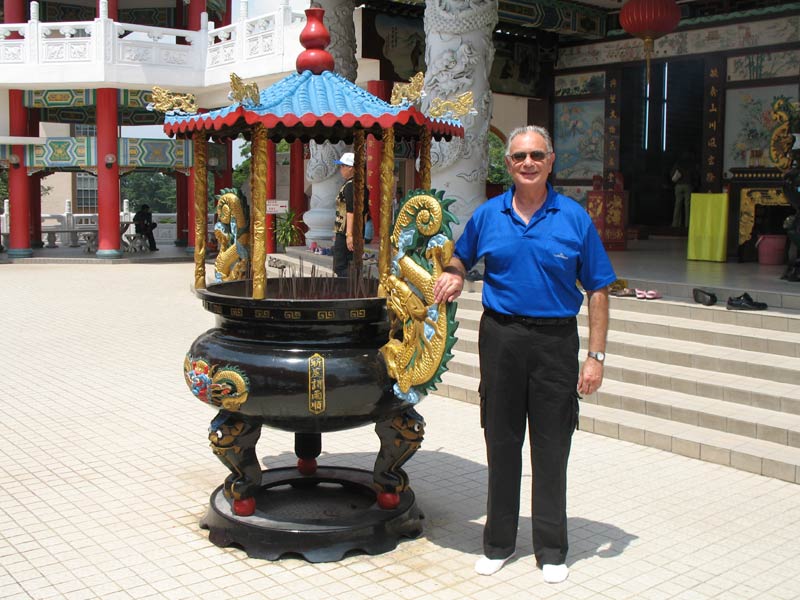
(649, 19)
(306, 466)
(244, 507)
(388, 501)
(315, 38)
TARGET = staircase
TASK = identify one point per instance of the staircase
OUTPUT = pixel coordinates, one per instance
(704, 382)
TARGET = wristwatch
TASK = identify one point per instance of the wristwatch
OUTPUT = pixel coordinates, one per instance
(598, 356)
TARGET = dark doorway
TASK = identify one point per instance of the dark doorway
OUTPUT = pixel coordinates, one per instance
(657, 126)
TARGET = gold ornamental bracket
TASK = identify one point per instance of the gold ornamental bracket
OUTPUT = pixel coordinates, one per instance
(243, 93)
(409, 92)
(169, 102)
(463, 105)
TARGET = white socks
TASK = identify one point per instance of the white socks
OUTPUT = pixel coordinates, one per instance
(555, 573)
(490, 566)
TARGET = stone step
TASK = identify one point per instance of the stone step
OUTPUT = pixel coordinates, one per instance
(720, 415)
(745, 453)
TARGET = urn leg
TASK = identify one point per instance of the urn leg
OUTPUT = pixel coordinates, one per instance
(307, 447)
(401, 436)
(233, 439)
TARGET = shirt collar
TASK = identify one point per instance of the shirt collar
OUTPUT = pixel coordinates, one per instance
(551, 203)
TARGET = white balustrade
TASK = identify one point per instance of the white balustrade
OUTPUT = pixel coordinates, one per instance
(111, 49)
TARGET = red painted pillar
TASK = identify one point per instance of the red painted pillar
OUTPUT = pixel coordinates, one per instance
(383, 90)
(226, 19)
(271, 191)
(196, 8)
(35, 186)
(297, 196)
(14, 11)
(179, 20)
(107, 174)
(190, 213)
(19, 193)
(181, 206)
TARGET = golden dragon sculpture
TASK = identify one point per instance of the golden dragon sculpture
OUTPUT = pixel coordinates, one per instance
(423, 331)
(232, 237)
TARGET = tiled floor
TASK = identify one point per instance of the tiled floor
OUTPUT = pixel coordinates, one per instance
(106, 470)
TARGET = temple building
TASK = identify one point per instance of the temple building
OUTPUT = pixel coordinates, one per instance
(627, 88)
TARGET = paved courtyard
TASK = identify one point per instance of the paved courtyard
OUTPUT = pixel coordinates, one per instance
(106, 470)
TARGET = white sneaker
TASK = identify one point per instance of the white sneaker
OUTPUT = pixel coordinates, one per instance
(555, 573)
(490, 566)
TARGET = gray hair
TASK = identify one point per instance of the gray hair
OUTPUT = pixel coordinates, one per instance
(530, 129)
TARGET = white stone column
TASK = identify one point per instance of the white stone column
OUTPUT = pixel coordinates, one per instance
(459, 54)
(320, 171)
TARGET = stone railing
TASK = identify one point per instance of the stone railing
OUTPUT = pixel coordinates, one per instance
(125, 54)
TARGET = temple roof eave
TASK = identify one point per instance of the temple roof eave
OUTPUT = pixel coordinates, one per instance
(308, 106)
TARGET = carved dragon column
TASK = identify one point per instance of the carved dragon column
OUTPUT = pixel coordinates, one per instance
(459, 54)
(321, 172)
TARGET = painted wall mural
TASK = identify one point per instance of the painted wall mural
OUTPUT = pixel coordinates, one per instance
(749, 124)
(766, 65)
(580, 84)
(739, 36)
(579, 139)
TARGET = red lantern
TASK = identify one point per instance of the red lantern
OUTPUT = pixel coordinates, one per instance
(649, 20)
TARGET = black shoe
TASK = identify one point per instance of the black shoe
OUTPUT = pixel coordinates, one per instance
(703, 297)
(745, 302)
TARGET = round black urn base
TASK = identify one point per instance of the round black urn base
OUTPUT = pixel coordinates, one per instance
(320, 517)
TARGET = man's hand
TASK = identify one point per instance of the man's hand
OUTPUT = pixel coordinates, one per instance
(591, 377)
(450, 283)
(350, 243)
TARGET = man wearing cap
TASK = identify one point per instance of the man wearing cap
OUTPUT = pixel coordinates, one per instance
(343, 225)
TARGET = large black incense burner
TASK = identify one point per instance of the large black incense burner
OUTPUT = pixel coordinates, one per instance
(305, 366)
(310, 365)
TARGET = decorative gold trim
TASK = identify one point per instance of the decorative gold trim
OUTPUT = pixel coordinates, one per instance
(258, 187)
(200, 208)
(425, 158)
(457, 108)
(408, 92)
(748, 198)
(316, 384)
(166, 101)
(241, 91)
(359, 175)
(387, 200)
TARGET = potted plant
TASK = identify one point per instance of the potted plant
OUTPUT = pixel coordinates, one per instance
(287, 231)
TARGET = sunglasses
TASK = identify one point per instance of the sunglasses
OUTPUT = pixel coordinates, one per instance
(536, 156)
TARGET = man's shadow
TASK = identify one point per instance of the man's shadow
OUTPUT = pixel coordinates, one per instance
(451, 493)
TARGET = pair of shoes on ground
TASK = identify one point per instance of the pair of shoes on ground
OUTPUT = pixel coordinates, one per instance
(648, 294)
(551, 573)
(703, 297)
(623, 292)
(745, 302)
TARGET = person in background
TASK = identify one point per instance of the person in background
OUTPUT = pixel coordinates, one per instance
(143, 223)
(343, 223)
(535, 244)
(682, 177)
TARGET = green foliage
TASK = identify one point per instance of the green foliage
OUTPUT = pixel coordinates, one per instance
(155, 189)
(497, 162)
(3, 184)
(242, 171)
(287, 232)
(46, 189)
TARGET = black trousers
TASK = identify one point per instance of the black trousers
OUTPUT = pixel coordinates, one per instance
(342, 257)
(529, 375)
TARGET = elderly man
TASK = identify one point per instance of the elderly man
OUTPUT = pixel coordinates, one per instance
(535, 244)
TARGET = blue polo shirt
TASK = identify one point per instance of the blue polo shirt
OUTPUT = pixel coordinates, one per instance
(531, 270)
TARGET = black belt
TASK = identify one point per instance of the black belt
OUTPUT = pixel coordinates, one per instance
(529, 321)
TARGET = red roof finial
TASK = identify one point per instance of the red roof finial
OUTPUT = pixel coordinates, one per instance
(315, 38)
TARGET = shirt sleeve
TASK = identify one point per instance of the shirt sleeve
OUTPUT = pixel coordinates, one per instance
(596, 270)
(348, 196)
